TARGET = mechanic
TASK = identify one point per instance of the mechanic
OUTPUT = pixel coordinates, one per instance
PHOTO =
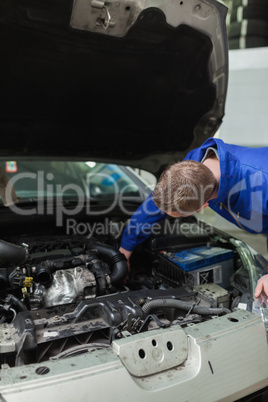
(230, 179)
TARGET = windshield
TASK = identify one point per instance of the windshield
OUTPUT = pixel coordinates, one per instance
(32, 180)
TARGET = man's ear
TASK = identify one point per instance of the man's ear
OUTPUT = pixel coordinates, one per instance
(204, 206)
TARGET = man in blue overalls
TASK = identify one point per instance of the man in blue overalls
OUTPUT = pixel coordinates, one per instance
(230, 179)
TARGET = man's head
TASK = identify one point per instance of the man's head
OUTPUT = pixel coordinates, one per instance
(184, 188)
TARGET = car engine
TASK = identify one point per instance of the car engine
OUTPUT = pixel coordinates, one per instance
(61, 295)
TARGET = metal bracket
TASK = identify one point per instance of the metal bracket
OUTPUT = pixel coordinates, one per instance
(104, 19)
(153, 351)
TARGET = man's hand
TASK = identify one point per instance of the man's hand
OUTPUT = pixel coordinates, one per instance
(127, 254)
(262, 286)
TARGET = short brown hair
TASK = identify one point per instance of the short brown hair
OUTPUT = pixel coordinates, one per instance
(184, 187)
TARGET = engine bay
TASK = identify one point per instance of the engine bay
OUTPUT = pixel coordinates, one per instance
(61, 295)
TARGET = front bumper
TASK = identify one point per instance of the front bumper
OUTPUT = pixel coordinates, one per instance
(226, 359)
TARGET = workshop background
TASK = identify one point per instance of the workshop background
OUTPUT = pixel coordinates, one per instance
(246, 112)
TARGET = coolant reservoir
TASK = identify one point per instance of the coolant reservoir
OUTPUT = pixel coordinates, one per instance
(260, 306)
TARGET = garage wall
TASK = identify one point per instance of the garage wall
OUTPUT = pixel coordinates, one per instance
(246, 112)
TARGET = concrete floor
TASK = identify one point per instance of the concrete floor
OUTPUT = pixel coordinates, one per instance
(257, 241)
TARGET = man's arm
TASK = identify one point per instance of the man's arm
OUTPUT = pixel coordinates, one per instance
(140, 225)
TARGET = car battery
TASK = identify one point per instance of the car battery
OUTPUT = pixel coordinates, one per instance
(206, 264)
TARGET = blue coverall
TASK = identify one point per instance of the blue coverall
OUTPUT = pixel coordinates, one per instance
(242, 195)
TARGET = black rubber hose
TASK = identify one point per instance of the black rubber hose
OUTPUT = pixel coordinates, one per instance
(3, 278)
(182, 305)
(12, 254)
(16, 302)
(44, 271)
(111, 255)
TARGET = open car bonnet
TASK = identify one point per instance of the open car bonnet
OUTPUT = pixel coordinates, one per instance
(136, 82)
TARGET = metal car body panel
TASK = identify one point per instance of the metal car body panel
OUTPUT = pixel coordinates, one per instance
(211, 372)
